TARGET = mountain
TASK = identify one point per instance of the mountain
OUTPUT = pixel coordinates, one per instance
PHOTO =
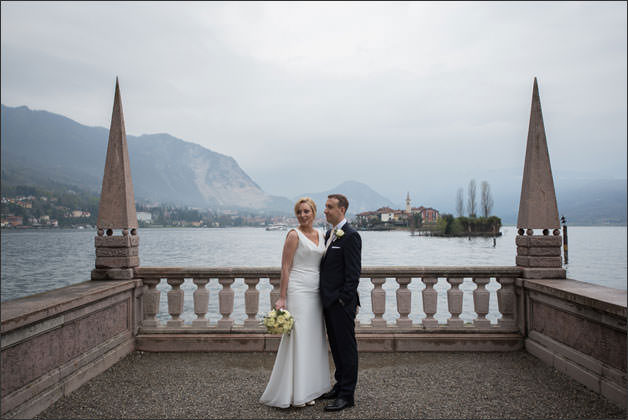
(582, 201)
(361, 197)
(40, 147)
(593, 201)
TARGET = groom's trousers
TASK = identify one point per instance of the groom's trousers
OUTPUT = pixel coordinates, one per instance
(340, 324)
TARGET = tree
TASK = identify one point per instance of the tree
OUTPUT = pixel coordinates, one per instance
(415, 220)
(471, 203)
(460, 202)
(487, 200)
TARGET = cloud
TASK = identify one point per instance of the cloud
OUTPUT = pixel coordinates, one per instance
(404, 96)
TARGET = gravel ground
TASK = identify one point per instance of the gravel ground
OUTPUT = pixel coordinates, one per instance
(390, 385)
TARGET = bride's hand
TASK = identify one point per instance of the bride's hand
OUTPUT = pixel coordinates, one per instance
(280, 304)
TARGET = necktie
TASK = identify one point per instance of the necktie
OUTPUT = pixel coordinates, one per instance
(332, 236)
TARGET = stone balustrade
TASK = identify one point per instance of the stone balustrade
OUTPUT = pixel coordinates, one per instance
(416, 287)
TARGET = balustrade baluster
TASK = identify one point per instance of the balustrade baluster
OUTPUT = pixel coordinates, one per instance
(454, 302)
(275, 293)
(378, 302)
(175, 302)
(404, 300)
(506, 303)
(201, 302)
(225, 302)
(507, 297)
(430, 299)
(480, 302)
(151, 302)
(251, 303)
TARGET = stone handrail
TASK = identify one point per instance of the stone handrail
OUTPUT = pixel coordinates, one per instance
(428, 276)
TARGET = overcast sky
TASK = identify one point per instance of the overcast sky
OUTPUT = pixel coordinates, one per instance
(405, 97)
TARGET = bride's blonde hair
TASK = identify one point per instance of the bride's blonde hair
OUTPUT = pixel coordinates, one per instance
(308, 201)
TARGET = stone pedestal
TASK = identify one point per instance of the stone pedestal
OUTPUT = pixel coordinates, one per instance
(116, 256)
(540, 256)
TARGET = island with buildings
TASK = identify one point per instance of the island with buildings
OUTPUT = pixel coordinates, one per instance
(427, 221)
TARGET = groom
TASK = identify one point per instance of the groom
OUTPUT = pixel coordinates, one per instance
(340, 275)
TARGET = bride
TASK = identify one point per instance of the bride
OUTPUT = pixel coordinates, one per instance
(301, 370)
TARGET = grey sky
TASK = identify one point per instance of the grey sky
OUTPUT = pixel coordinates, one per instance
(417, 97)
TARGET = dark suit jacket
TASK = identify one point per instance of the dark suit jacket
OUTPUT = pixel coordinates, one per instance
(340, 269)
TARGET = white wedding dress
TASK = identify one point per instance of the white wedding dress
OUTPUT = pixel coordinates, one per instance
(301, 370)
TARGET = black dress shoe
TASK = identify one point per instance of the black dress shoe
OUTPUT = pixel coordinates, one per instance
(329, 395)
(338, 404)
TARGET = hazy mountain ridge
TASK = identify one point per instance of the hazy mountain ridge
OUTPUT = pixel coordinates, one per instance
(593, 201)
(40, 147)
(44, 149)
(361, 197)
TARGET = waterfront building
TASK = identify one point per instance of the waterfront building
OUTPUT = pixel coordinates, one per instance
(13, 221)
(397, 217)
(144, 216)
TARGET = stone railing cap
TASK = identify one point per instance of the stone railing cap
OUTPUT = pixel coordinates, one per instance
(26, 310)
(603, 298)
(367, 271)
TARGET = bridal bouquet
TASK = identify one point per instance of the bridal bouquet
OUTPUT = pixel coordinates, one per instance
(278, 321)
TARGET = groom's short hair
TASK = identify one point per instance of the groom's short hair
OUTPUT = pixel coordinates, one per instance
(342, 200)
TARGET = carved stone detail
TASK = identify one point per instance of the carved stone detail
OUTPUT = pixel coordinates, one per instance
(404, 302)
(506, 303)
(151, 302)
(117, 262)
(251, 303)
(481, 298)
(430, 300)
(225, 303)
(175, 302)
(378, 302)
(201, 302)
(454, 302)
(117, 252)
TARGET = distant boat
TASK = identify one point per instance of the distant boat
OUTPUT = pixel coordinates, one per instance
(277, 227)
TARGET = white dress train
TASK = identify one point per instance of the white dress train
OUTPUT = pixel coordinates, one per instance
(301, 370)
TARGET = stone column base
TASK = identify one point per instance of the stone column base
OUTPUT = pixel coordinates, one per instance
(543, 273)
(112, 274)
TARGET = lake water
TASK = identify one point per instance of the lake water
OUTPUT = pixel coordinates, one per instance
(35, 261)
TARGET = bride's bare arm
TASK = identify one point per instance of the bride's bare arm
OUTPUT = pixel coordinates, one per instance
(289, 249)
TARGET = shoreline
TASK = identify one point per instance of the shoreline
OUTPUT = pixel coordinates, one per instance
(474, 234)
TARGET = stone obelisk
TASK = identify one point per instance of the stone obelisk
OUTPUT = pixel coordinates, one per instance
(539, 255)
(116, 255)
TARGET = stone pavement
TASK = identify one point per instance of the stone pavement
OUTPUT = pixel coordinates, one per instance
(390, 385)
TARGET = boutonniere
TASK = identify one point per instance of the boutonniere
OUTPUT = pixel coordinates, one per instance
(339, 233)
